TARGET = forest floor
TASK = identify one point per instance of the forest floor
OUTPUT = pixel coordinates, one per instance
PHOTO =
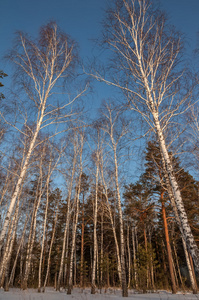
(78, 294)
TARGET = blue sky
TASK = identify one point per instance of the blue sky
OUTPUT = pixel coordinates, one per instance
(82, 20)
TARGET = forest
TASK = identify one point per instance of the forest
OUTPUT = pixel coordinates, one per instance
(75, 210)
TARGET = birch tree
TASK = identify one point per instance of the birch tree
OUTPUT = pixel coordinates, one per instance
(111, 122)
(76, 210)
(40, 65)
(96, 159)
(146, 67)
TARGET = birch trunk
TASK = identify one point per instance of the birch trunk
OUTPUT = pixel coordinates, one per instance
(33, 229)
(11, 280)
(5, 261)
(95, 209)
(70, 283)
(50, 171)
(169, 169)
(51, 245)
(41, 64)
(44, 234)
(194, 284)
(19, 183)
(174, 207)
(151, 262)
(148, 57)
(134, 258)
(123, 268)
(147, 263)
(112, 223)
(178, 199)
(129, 257)
(9, 244)
(178, 267)
(67, 218)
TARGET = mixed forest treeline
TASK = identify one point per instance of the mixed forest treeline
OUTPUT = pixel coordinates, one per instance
(70, 213)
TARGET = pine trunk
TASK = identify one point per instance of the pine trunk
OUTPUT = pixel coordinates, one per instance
(174, 289)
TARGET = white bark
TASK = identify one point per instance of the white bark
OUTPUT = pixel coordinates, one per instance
(129, 256)
(17, 254)
(123, 268)
(95, 210)
(111, 220)
(68, 214)
(44, 235)
(43, 68)
(148, 54)
(50, 170)
(174, 207)
(70, 283)
(51, 245)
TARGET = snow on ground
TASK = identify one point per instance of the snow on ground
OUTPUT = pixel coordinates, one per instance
(78, 294)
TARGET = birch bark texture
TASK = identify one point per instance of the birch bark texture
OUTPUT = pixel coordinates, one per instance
(146, 67)
(40, 64)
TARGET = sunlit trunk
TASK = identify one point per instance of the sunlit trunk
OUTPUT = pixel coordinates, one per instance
(169, 253)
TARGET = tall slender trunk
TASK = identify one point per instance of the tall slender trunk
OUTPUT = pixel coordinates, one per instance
(151, 262)
(70, 283)
(67, 219)
(194, 284)
(79, 148)
(22, 173)
(11, 280)
(185, 227)
(123, 268)
(51, 245)
(174, 289)
(129, 256)
(33, 230)
(178, 198)
(82, 248)
(97, 266)
(102, 248)
(134, 258)
(147, 263)
(178, 267)
(95, 209)
(9, 243)
(44, 234)
(75, 266)
(164, 265)
(112, 225)
(174, 207)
